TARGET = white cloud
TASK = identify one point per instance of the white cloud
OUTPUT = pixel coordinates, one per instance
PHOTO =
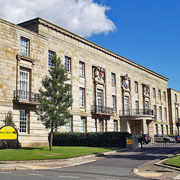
(83, 17)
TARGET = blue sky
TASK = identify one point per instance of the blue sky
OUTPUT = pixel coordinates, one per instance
(147, 32)
(144, 31)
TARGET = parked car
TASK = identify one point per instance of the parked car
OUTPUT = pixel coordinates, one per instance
(177, 139)
(163, 138)
(145, 138)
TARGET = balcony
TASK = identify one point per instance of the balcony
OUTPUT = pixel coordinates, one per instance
(25, 97)
(101, 110)
(136, 112)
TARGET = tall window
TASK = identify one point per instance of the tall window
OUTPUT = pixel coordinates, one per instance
(50, 56)
(81, 97)
(155, 112)
(164, 96)
(23, 124)
(136, 87)
(99, 100)
(114, 103)
(156, 126)
(115, 125)
(159, 94)
(24, 84)
(68, 63)
(165, 113)
(175, 97)
(137, 106)
(113, 79)
(154, 93)
(81, 69)
(83, 124)
(160, 113)
(126, 105)
(68, 125)
(24, 46)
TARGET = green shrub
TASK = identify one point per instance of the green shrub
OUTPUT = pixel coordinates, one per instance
(98, 139)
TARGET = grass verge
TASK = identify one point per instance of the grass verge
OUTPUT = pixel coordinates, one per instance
(175, 161)
(39, 153)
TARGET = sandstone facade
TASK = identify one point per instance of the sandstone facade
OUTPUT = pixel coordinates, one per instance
(110, 92)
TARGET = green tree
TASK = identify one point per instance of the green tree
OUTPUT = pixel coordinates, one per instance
(54, 98)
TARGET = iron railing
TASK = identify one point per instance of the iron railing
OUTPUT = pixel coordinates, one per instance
(20, 95)
(136, 112)
(101, 109)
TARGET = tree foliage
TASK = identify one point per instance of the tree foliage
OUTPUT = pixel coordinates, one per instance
(54, 97)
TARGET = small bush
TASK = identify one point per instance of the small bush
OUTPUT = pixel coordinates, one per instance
(104, 139)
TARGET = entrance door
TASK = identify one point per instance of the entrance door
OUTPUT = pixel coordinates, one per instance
(126, 105)
(99, 101)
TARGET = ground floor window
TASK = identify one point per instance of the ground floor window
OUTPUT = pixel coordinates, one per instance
(83, 124)
(68, 125)
(23, 124)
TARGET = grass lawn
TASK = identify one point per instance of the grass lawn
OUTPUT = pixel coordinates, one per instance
(175, 161)
(39, 153)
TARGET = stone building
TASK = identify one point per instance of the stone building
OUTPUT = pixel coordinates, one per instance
(174, 109)
(110, 92)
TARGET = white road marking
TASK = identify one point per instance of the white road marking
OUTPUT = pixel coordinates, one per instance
(74, 177)
(35, 174)
(6, 172)
(107, 179)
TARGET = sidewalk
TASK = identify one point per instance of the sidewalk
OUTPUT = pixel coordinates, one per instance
(157, 170)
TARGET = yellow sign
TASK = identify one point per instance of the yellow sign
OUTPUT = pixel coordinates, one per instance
(8, 132)
(129, 141)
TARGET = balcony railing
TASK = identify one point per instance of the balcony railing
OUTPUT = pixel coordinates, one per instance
(136, 112)
(101, 109)
(25, 96)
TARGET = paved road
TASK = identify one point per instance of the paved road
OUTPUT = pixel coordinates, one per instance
(116, 166)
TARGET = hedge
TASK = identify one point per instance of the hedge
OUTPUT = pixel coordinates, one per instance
(98, 139)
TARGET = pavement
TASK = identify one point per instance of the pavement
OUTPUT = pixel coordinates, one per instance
(153, 169)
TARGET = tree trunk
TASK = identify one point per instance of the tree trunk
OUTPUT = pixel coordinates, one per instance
(51, 139)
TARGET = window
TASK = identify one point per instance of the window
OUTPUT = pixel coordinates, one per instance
(137, 106)
(50, 56)
(164, 96)
(156, 126)
(165, 113)
(160, 113)
(24, 46)
(114, 103)
(136, 87)
(83, 124)
(99, 100)
(81, 69)
(113, 79)
(81, 96)
(175, 97)
(155, 113)
(68, 63)
(23, 124)
(68, 125)
(159, 94)
(154, 93)
(162, 129)
(115, 125)
(24, 84)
